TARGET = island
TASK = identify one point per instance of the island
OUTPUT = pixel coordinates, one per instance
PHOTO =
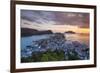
(70, 32)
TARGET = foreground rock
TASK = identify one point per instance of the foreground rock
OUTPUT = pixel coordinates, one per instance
(55, 42)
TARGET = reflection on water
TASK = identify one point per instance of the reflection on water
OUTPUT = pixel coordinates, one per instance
(83, 38)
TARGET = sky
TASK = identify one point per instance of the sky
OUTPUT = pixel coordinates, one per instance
(55, 21)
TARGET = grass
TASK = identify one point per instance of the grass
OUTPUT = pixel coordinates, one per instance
(57, 55)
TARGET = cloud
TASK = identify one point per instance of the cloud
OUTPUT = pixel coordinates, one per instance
(56, 18)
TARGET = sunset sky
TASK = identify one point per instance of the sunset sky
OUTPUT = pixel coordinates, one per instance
(55, 21)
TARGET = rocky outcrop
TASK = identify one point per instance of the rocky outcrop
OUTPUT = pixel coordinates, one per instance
(57, 41)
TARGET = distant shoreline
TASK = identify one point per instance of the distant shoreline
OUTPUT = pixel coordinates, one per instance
(29, 32)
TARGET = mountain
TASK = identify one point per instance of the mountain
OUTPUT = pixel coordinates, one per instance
(30, 32)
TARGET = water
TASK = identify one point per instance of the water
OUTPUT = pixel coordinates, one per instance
(82, 38)
(25, 41)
